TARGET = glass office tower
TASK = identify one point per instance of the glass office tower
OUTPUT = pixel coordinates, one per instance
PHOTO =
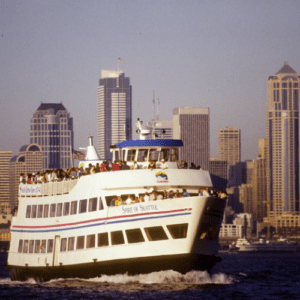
(51, 127)
(114, 111)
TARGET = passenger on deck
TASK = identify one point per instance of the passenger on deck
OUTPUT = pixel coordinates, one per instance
(136, 199)
(163, 164)
(165, 195)
(200, 192)
(152, 165)
(152, 196)
(142, 198)
(125, 166)
(185, 193)
(206, 192)
(146, 198)
(177, 194)
(115, 166)
(134, 166)
(103, 167)
(193, 167)
(170, 195)
(159, 197)
(128, 200)
(120, 165)
(112, 202)
(93, 170)
(182, 165)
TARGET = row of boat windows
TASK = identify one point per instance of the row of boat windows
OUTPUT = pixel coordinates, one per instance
(157, 233)
(63, 209)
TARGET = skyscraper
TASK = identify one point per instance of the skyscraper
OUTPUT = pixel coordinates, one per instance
(51, 127)
(191, 125)
(230, 145)
(283, 142)
(114, 111)
(5, 157)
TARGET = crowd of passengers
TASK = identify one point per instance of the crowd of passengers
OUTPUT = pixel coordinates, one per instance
(105, 166)
(153, 196)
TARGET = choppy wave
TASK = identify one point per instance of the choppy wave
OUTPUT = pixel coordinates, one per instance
(162, 277)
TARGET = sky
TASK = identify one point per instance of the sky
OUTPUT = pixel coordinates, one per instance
(217, 54)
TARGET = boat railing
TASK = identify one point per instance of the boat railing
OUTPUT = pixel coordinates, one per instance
(47, 189)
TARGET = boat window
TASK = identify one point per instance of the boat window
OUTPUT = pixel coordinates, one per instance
(156, 233)
(102, 239)
(174, 154)
(178, 231)
(40, 211)
(117, 238)
(90, 241)
(28, 211)
(71, 241)
(73, 207)
(100, 204)
(80, 242)
(59, 209)
(131, 155)
(20, 248)
(208, 232)
(134, 236)
(31, 245)
(66, 208)
(37, 246)
(46, 210)
(82, 206)
(154, 154)
(123, 152)
(50, 246)
(92, 204)
(52, 210)
(63, 244)
(33, 215)
(164, 154)
(116, 155)
(142, 155)
(25, 247)
(43, 246)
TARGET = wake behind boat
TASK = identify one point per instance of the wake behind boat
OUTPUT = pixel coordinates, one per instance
(87, 227)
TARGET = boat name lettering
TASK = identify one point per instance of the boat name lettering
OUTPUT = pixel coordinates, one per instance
(134, 209)
(27, 189)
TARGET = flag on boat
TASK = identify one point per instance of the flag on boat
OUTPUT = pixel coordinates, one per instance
(120, 60)
(77, 154)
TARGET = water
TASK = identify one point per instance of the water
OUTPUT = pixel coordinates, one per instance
(238, 276)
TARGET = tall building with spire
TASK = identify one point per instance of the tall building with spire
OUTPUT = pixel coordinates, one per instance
(283, 145)
(114, 111)
(51, 127)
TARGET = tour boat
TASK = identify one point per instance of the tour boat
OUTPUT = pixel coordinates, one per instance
(72, 229)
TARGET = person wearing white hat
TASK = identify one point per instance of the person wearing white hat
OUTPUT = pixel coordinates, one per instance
(163, 164)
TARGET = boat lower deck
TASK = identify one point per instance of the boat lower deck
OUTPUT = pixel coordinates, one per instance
(182, 263)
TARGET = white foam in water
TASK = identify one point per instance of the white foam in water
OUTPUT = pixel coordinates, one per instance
(170, 276)
(11, 282)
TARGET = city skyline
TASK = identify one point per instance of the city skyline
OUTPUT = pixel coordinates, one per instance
(209, 54)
